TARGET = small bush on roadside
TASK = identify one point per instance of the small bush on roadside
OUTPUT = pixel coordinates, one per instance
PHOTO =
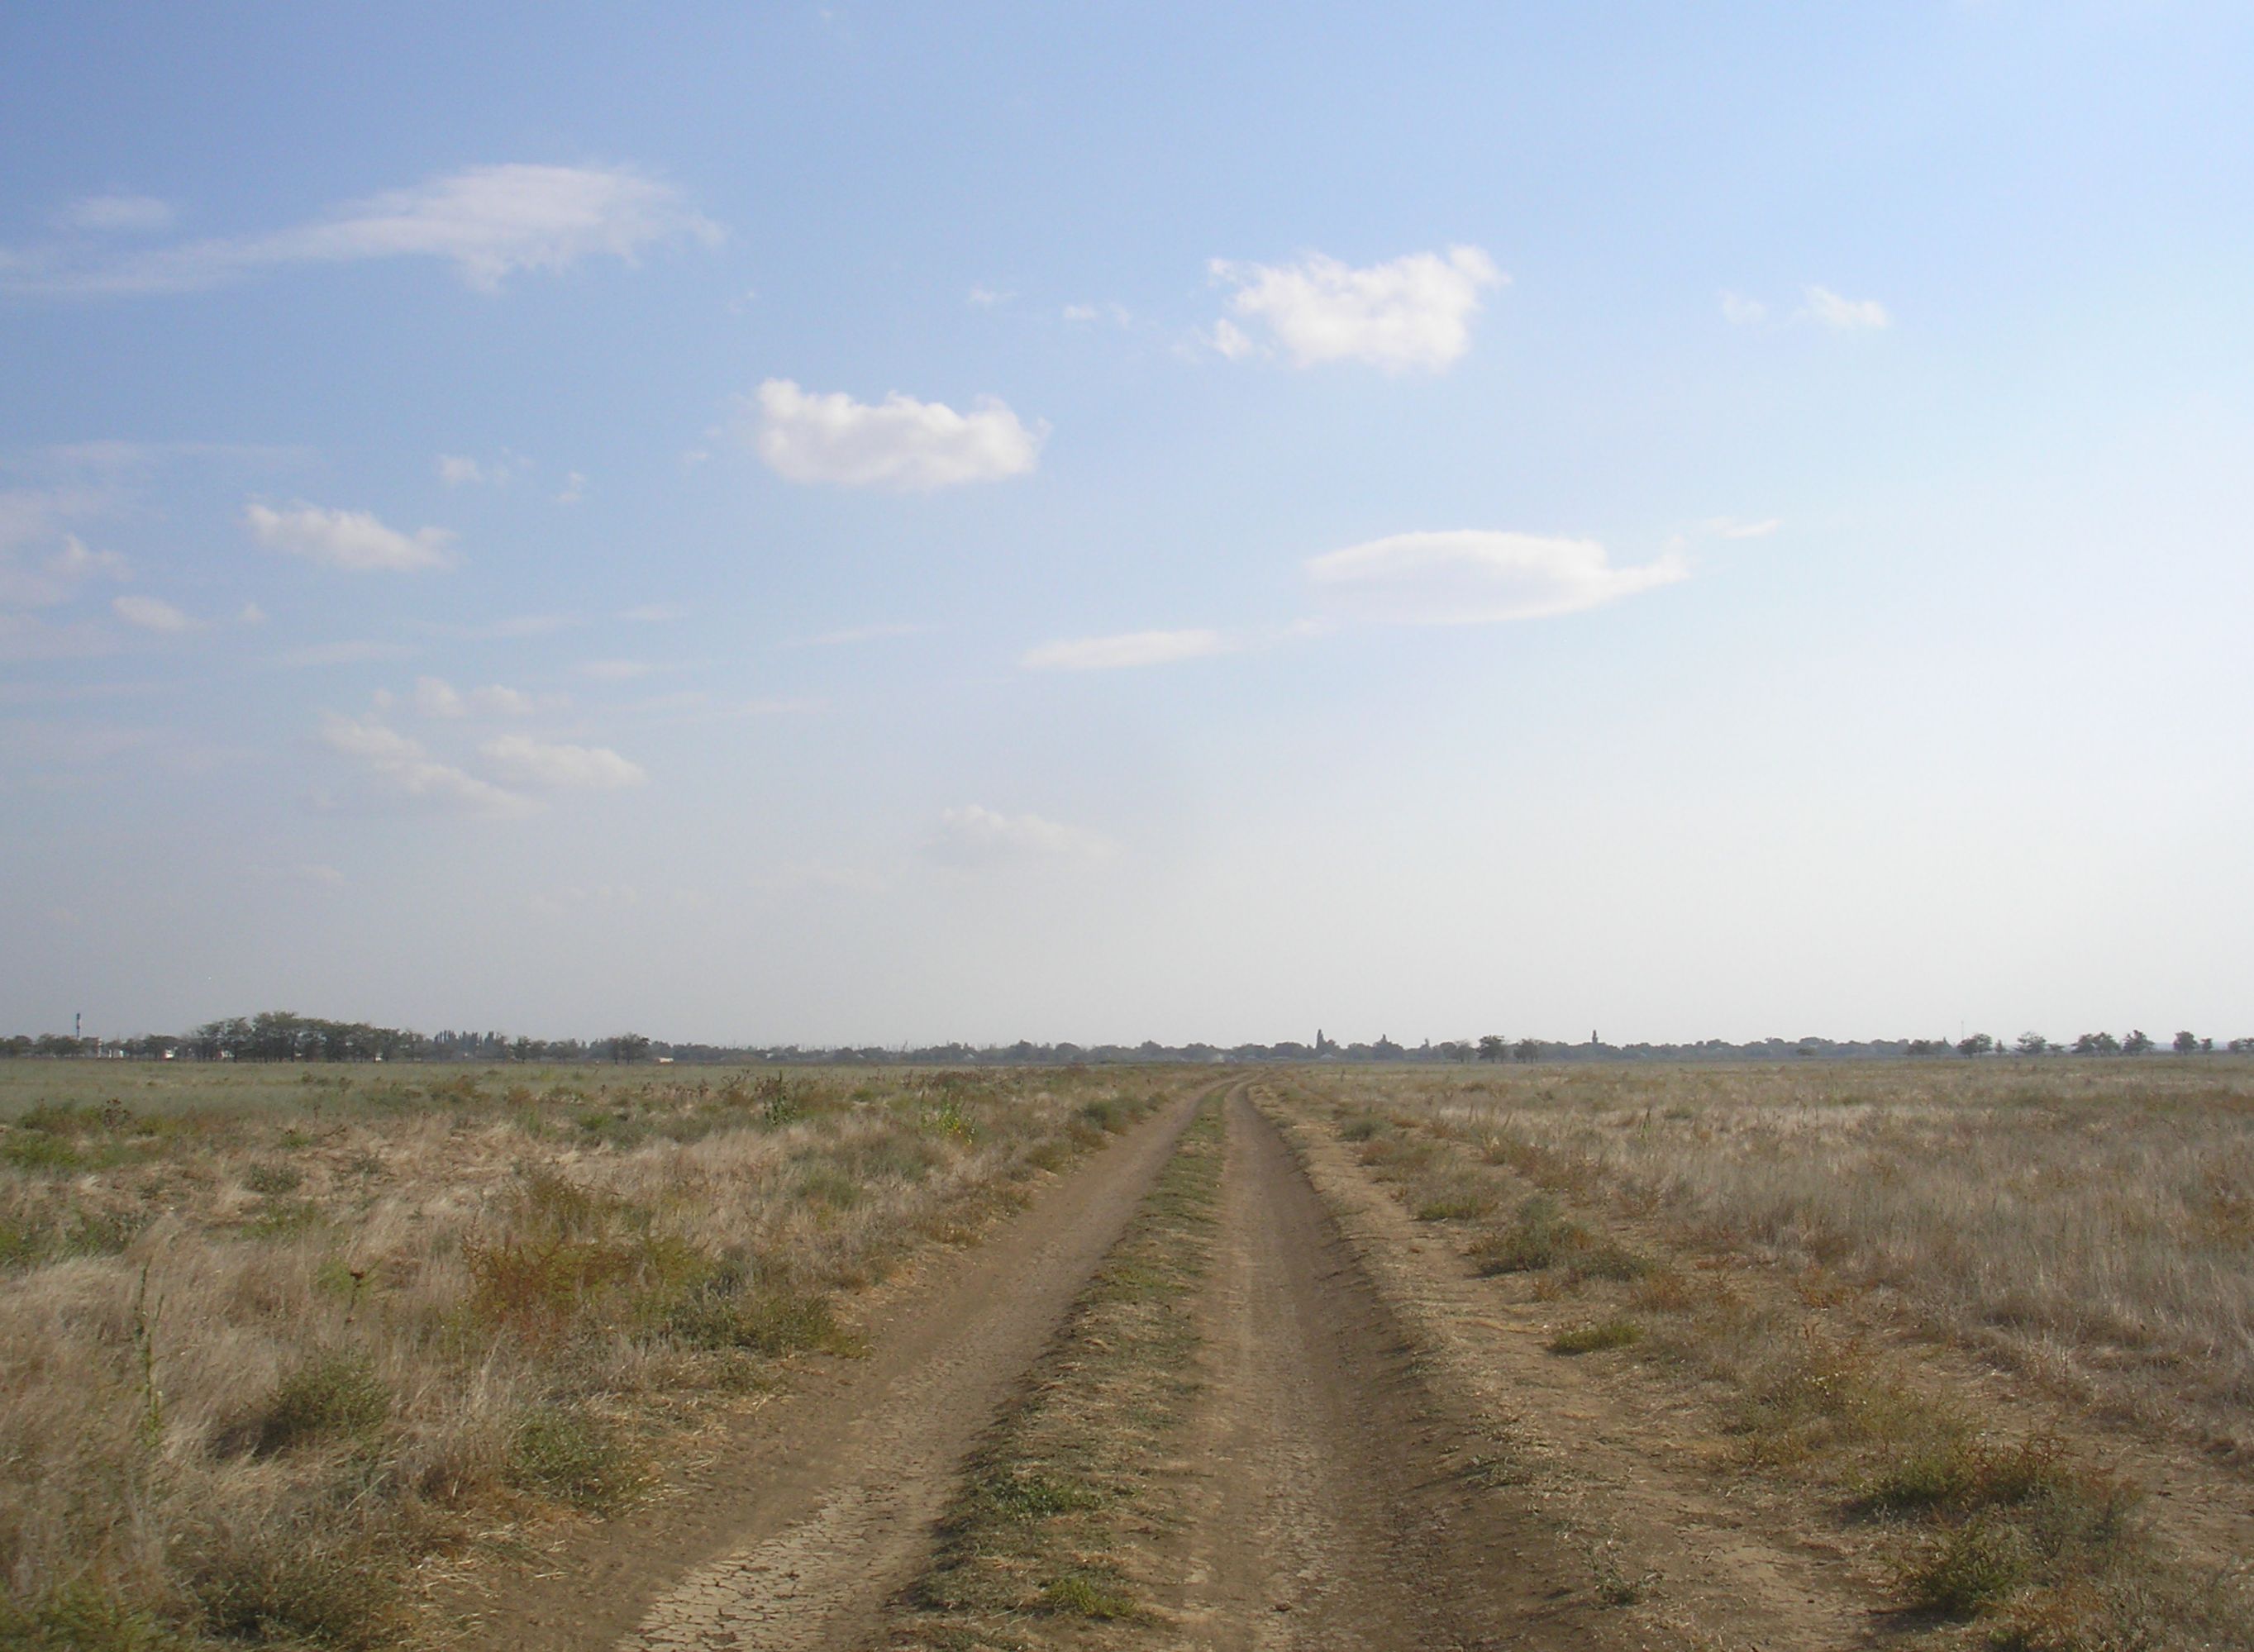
(573, 1459)
(1970, 1567)
(283, 1584)
(333, 1396)
(1362, 1129)
(1594, 1339)
(1541, 1237)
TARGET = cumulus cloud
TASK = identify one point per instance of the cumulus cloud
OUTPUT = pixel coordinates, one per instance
(1134, 648)
(898, 443)
(974, 837)
(1828, 309)
(150, 615)
(457, 471)
(1413, 313)
(1471, 577)
(348, 539)
(119, 214)
(401, 766)
(490, 222)
(530, 762)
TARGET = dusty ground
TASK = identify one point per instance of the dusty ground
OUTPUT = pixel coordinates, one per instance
(1379, 1450)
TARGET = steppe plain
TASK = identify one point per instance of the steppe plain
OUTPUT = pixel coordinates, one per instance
(1826, 1354)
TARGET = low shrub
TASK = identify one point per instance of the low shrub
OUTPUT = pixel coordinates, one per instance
(571, 1458)
(1593, 1339)
(1541, 1237)
(332, 1396)
(283, 1583)
(1969, 1568)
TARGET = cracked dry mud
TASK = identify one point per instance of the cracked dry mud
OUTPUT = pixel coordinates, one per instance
(1336, 1484)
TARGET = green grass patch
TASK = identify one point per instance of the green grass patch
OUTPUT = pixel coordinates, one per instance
(1598, 1337)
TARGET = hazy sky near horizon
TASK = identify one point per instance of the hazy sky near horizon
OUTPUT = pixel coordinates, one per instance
(855, 522)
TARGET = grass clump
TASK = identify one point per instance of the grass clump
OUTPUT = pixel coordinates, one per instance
(1969, 1568)
(572, 1459)
(1362, 1129)
(334, 1396)
(1097, 1596)
(286, 1584)
(1541, 1236)
(1598, 1337)
(82, 1617)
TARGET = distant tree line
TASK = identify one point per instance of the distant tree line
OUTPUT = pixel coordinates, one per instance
(278, 1035)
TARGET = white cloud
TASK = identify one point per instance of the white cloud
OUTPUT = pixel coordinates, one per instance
(974, 837)
(401, 767)
(1230, 340)
(616, 670)
(348, 539)
(1742, 312)
(1844, 315)
(1733, 527)
(489, 222)
(986, 297)
(456, 471)
(56, 578)
(654, 613)
(1135, 648)
(574, 489)
(531, 762)
(1414, 311)
(852, 634)
(435, 696)
(151, 614)
(120, 215)
(252, 614)
(899, 443)
(1471, 577)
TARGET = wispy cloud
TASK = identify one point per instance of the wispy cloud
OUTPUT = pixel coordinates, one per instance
(119, 214)
(1414, 312)
(852, 634)
(490, 222)
(654, 613)
(352, 539)
(617, 671)
(1827, 308)
(1742, 312)
(986, 297)
(899, 443)
(152, 613)
(400, 766)
(1473, 578)
(530, 762)
(1130, 649)
(1736, 527)
(435, 696)
(975, 837)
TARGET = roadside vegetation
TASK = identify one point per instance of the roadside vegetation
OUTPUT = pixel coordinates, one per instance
(1795, 1248)
(273, 1338)
(1037, 1547)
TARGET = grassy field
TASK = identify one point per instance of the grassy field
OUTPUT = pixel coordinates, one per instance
(272, 1338)
(1790, 1242)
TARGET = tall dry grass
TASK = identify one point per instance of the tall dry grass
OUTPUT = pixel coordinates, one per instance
(258, 1360)
(2093, 1222)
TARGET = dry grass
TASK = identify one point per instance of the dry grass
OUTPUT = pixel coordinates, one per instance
(2088, 1223)
(261, 1352)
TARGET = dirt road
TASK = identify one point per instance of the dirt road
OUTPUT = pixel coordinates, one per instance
(1338, 1503)
(1339, 1482)
(795, 1537)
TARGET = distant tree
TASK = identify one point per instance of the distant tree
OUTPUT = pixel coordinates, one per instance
(1494, 1047)
(2032, 1044)
(2137, 1043)
(2188, 1043)
(1928, 1047)
(2097, 1044)
(2241, 1047)
(629, 1046)
(1978, 1044)
(1527, 1049)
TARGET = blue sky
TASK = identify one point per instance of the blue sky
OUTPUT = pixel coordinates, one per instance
(870, 523)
